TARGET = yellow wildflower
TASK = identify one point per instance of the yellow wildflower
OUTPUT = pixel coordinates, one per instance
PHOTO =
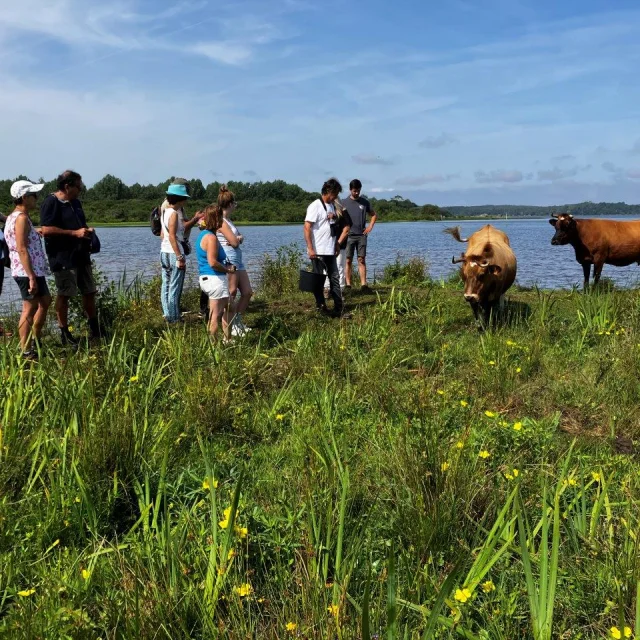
(244, 590)
(86, 574)
(462, 595)
(241, 531)
(206, 485)
(518, 369)
(444, 466)
(517, 426)
(224, 523)
(231, 554)
(596, 476)
(291, 627)
(484, 454)
(76, 499)
(572, 482)
(464, 403)
(511, 343)
(488, 586)
(508, 476)
(459, 444)
(616, 633)
(280, 416)
(27, 593)
(333, 609)
(440, 392)
(492, 363)
(490, 414)
(516, 473)
(133, 379)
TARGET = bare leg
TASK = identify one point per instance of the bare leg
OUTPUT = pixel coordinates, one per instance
(29, 308)
(40, 318)
(362, 269)
(219, 310)
(62, 310)
(89, 305)
(348, 271)
(245, 291)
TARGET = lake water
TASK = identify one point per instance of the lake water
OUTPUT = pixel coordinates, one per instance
(136, 251)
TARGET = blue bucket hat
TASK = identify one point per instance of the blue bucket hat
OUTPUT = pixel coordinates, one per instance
(178, 190)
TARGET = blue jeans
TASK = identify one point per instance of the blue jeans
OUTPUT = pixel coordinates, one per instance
(172, 283)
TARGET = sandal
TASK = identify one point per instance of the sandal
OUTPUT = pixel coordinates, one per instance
(5, 333)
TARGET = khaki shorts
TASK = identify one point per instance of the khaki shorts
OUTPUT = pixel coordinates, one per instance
(69, 281)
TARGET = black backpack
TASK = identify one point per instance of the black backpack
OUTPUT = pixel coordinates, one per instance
(155, 221)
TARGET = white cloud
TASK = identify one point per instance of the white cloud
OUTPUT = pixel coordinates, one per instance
(370, 158)
(417, 181)
(435, 142)
(226, 52)
(484, 177)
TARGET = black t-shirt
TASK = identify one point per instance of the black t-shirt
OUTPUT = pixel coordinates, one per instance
(343, 221)
(64, 252)
(358, 210)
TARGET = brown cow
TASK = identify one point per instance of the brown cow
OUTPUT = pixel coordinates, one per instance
(598, 242)
(488, 270)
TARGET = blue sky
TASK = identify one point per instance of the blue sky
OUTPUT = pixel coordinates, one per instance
(467, 102)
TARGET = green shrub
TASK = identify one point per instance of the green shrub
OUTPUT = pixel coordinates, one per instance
(279, 275)
(412, 272)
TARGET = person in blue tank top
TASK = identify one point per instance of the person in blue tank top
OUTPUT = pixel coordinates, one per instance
(212, 272)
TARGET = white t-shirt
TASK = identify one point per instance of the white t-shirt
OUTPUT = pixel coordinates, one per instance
(323, 242)
(221, 239)
(166, 247)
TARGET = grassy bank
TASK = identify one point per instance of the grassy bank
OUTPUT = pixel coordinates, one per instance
(397, 474)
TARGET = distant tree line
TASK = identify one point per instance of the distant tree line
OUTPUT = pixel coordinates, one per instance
(111, 200)
(582, 209)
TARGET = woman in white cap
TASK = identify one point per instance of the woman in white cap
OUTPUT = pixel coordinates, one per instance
(28, 265)
(172, 250)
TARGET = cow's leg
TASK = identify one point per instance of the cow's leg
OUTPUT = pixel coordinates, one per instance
(586, 269)
(597, 271)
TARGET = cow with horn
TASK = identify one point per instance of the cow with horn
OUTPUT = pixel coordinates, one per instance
(488, 268)
(598, 242)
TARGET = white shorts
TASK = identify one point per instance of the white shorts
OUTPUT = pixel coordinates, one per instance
(216, 287)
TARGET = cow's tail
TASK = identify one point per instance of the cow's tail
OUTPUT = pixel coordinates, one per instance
(455, 232)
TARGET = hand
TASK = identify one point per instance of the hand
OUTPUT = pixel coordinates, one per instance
(240, 238)
(312, 254)
(33, 287)
(232, 269)
(39, 231)
(367, 231)
(337, 250)
(181, 263)
(82, 234)
(198, 215)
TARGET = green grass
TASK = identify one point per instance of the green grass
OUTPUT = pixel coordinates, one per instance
(398, 475)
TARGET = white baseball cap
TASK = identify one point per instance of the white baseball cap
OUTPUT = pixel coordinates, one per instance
(22, 187)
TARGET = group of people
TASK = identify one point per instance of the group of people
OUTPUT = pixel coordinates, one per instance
(334, 230)
(221, 270)
(68, 245)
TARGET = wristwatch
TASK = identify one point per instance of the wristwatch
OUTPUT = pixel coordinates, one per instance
(181, 257)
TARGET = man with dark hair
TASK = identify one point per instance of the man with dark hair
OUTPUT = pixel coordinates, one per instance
(67, 241)
(358, 208)
(323, 243)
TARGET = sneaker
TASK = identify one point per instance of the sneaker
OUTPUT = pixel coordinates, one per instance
(68, 339)
(30, 355)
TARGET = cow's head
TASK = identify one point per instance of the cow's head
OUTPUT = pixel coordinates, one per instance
(565, 227)
(480, 278)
